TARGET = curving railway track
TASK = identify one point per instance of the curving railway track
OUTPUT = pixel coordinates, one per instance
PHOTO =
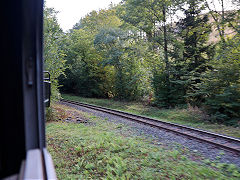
(225, 142)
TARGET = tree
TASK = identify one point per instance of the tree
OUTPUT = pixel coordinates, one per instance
(142, 50)
(121, 52)
(224, 20)
(112, 44)
(54, 61)
(194, 31)
(220, 85)
(151, 17)
(96, 20)
(85, 77)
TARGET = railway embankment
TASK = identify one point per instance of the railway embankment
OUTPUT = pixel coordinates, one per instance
(85, 145)
(188, 116)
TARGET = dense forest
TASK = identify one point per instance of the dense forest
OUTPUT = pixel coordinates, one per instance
(167, 53)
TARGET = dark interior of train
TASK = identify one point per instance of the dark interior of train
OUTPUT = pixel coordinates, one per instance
(22, 119)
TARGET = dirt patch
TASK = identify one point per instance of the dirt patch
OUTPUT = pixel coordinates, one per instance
(68, 114)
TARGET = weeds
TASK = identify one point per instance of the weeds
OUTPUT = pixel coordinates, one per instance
(101, 152)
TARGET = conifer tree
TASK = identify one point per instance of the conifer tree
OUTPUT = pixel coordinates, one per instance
(194, 32)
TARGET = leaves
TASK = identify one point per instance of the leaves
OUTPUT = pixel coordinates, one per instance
(54, 55)
(141, 49)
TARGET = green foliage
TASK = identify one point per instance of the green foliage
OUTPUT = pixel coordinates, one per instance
(113, 44)
(220, 85)
(84, 76)
(105, 60)
(54, 61)
(50, 115)
(96, 20)
(197, 52)
(124, 51)
(161, 89)
(137, 14)
(136, 51)
(175, 79)
(150, 17)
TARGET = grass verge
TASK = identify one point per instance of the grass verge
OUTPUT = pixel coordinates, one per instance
(189, 116)
(100, 149)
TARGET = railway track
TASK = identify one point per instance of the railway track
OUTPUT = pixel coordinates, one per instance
(225, 142)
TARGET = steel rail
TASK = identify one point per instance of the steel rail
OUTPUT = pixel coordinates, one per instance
(231, 143)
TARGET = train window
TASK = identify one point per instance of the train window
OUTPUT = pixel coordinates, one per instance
(23, 153)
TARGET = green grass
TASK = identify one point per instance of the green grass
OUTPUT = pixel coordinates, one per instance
(103, 150)
(189, 116)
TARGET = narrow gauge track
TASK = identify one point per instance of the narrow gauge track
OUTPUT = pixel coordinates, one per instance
(228, 143)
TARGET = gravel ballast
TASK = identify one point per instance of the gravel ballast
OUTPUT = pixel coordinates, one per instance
(168, 139)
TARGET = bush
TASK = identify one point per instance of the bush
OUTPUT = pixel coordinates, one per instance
(50, 115)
